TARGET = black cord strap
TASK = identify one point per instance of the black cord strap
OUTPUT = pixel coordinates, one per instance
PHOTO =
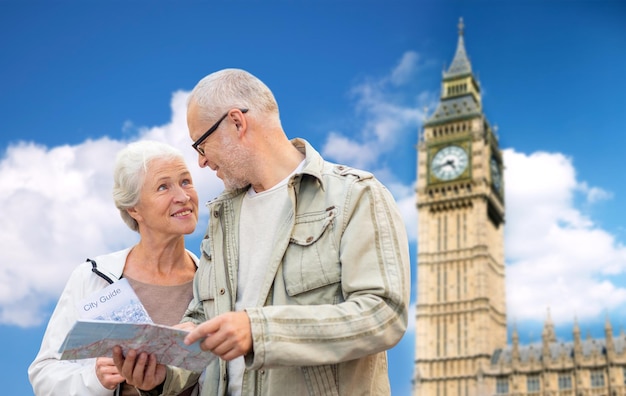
(94, 269)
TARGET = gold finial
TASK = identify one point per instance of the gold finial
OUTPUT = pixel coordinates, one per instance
(461, 26)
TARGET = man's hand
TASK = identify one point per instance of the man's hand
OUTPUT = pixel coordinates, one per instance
(107, 373)
(187, 326)
(141, 371)
(227, 336)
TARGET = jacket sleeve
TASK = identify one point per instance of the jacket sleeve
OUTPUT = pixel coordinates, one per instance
(372, 280)
(49, 375)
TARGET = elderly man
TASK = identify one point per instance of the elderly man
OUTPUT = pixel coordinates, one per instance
(303, 283)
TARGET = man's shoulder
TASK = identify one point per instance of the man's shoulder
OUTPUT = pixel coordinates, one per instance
(348, 171)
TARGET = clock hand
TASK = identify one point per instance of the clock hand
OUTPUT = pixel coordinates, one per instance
(451, 163)
(448, 162)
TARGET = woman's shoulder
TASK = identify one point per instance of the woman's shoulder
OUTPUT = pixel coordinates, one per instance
(193, 256)
(110, 264)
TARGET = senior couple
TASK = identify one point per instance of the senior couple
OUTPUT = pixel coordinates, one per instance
(302, 281)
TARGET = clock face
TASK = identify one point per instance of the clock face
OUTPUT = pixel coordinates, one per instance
(496, 177)
(449, 163)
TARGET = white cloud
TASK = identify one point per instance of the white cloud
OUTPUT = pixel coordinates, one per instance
(408, 211)
(405, 69)
(595, 194)
(58, 210)
(348, 151)
(388, 123)
(557, 257)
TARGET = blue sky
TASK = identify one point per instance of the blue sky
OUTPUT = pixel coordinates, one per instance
(78, 80)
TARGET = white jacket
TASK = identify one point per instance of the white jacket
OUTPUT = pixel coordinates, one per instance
(51, 376)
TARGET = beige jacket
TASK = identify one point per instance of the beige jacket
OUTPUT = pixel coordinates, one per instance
(335, 297)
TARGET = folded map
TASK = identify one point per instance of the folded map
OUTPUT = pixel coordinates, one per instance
(116, 302)
(95, 338)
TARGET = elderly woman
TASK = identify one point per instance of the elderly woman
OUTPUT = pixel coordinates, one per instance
(155, 195)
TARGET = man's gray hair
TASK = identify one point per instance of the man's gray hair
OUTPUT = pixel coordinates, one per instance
(226, 89)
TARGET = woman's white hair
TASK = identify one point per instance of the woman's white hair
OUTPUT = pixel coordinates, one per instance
(131, 166)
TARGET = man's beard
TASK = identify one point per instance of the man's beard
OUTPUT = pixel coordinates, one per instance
(237, 160)
(232, 184)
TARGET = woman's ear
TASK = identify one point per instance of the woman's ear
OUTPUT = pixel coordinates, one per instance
(134, 213)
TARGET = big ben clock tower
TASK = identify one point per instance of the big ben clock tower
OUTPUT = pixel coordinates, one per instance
(461, 307)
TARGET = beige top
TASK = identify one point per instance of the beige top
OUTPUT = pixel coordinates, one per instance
(166, 305)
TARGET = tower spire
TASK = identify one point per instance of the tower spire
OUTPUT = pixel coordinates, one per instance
(460, 91)
(460, 64)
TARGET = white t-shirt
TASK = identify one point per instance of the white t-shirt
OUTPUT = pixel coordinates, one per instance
(258, 222)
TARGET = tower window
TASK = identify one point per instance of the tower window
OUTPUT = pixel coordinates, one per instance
(532, 384)
(445, 232)
(458, 231)
(464, 229)
(502, 385)
(438, 283)
(445, 338)
(439, 234)
(597, 379)
(445, 285)
(439, 341)
(458, 283)
(458, 339)
(565, 381)
(465, 336)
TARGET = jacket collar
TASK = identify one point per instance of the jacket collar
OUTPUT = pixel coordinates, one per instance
(313, 161)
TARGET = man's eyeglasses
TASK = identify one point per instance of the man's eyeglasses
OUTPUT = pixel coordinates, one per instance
(197, 143)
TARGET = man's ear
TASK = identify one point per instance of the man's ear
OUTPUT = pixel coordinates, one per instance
(240, 121)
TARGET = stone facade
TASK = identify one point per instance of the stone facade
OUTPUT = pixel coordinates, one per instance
(553, 368)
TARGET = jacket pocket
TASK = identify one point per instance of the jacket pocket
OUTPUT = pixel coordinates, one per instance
(204, 273)
(311, 261)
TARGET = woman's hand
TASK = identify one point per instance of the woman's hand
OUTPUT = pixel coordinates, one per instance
(140, 370)
(107, 373)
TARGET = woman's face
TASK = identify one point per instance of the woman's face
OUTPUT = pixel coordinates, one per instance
(168, 201)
